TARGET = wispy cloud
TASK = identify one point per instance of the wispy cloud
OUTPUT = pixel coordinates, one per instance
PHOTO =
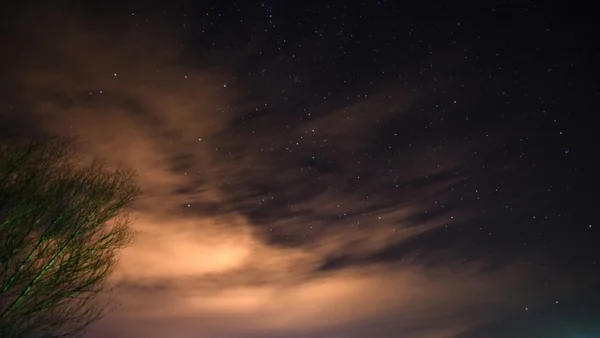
(238, 240)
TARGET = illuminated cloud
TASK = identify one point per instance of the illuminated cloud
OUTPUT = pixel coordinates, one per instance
(232, 244)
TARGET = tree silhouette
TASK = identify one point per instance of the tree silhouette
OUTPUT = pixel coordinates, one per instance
(61, 226)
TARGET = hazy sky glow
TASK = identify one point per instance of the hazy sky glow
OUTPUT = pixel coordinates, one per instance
(253, 226)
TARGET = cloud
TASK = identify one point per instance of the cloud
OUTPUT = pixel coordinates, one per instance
(236, 239)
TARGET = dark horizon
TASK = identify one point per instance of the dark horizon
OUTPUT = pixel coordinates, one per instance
(315, 169)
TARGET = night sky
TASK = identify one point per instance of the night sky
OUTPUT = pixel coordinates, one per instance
(331, 169)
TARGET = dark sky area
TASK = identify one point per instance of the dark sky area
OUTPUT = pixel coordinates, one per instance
(331, 168)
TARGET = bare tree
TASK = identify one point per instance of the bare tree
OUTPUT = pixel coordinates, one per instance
(61, 226)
